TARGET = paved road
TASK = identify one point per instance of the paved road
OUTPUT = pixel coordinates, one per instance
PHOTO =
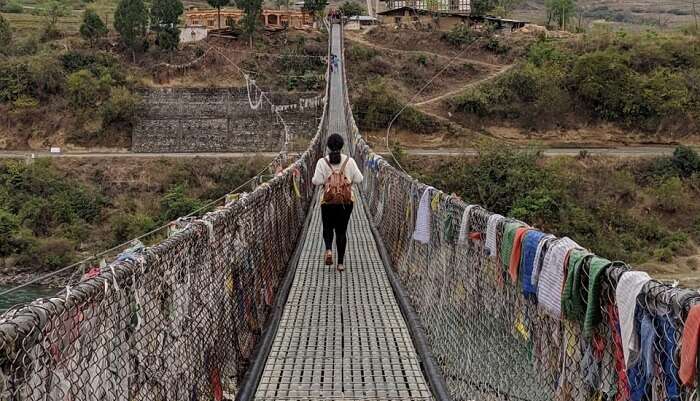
(627, 151)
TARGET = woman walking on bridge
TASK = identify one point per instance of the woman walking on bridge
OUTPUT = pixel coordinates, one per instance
(337, 172)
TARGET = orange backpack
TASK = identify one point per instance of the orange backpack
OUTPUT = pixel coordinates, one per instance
(338, 190)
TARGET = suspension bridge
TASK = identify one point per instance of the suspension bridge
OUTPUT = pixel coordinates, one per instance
(439, 301)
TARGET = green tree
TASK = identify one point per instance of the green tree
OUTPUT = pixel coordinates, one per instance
(168, 38)
(251, 19)
(560, 11)
(351, 8)
(5, 36)
(131, 21)
(165, 16)
(218, 4)
(315, 7)
(165, 13)
(52, 11)
(92, 28)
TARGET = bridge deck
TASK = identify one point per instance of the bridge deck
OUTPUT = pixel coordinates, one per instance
(342, 335)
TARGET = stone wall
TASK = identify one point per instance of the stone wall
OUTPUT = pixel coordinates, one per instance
(221, 120)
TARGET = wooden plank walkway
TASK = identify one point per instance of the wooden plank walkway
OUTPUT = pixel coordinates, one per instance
(342, 335)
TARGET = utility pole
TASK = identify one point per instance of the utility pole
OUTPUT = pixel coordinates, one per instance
(695, 16)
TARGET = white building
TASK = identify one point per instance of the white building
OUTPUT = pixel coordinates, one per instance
(358, 22)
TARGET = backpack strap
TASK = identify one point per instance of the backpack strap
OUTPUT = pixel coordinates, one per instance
(328, 163)
(342, 167)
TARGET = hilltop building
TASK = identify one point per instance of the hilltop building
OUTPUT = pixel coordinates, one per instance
(462, 7)
(271, 19)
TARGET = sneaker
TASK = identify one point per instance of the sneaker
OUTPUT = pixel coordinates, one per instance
(340, 267)
(329, 258)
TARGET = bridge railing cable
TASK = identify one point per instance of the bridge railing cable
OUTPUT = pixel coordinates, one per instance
(579, 328)
(179, 320)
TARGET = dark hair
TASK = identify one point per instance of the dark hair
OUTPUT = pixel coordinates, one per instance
(335, 143)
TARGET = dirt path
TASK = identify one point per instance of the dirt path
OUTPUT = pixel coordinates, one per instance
(489, 77)
(358, 39)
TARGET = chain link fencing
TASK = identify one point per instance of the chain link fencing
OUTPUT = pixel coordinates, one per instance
(176, 321)
(489, 334)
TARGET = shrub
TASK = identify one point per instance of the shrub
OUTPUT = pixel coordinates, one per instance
(538, 207)
(606, 84)
(9, 226)
(121, 109)
(233, 26)
(128, 226)
(12, 7)
(53, 253)
(361, 53)
(473, 101)
(37, 76)
(37, 215)
(5, 36)
(664, 95)
(24, 102)
(83, 89)
(669, 194)
(27, 46)
(458, 36)
(533, 95)
(175, 204)
(377, 107)
(496, 46)
(543, 52)
(75, 60)
(686, 161)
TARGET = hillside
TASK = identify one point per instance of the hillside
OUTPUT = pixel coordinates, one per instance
(62, 92)
(55, 212)
(643, 211)
(628, 14)
(602, 88)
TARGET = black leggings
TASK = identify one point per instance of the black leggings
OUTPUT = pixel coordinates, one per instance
(336, 218)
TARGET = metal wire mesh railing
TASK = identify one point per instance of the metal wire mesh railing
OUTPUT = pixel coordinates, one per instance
(176, 321)
(526, 330)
